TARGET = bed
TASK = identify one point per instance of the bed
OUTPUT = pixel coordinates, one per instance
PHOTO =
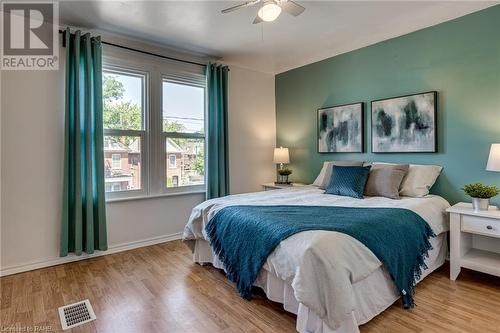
(287, 276)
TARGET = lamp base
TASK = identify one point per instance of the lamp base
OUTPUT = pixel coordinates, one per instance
(282, 179)
(282, 183)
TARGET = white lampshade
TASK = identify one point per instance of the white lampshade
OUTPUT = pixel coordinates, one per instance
(269, 12)
(494, 159)
(281, 155)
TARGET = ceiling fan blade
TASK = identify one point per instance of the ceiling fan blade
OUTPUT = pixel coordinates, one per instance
(257, 20)
(246, 4)
(291, 7)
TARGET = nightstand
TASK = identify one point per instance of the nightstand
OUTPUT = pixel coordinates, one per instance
(273, 186)
(464, 224)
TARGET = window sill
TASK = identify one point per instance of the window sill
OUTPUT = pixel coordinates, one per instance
(155, 196)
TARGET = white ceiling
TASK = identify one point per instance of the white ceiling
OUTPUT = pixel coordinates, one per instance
(325, 29)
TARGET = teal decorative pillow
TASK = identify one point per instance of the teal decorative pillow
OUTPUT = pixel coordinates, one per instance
(348, 181)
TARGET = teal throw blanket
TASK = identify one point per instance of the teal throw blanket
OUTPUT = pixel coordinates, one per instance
(244, 236)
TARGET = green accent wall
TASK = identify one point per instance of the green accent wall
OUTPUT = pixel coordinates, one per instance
(460, 59)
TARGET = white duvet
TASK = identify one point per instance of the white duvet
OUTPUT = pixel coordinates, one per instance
(321, 265)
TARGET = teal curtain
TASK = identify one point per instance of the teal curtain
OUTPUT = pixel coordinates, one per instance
(83, 227)
(217, 147)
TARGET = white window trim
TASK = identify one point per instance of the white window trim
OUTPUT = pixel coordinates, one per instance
(153, 161)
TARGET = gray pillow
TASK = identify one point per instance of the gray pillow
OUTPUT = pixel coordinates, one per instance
(328, 172)
(385, 179)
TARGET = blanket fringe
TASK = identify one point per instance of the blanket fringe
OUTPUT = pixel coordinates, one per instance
(418, 268)
(231, 272)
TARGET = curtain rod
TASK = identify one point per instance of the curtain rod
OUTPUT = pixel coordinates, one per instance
(146, 52)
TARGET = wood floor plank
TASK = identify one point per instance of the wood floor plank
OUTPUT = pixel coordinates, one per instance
(160, 289)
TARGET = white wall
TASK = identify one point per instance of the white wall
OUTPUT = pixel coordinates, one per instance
(252, 129)
(32, 132)
(32, 125)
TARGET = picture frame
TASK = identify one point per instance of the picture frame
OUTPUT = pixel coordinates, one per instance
(405, 124)
(340, 128)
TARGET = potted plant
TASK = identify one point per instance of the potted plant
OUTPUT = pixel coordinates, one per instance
(284, 173)
(480, 195)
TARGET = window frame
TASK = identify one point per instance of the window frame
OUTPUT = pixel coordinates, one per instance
(193, 82)
(153, 150)
(141, 134)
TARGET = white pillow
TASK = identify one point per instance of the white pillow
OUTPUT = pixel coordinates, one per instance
(319, 180)
(419, 179)
(325, 174)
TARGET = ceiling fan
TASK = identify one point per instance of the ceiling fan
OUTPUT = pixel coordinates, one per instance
(270, 9)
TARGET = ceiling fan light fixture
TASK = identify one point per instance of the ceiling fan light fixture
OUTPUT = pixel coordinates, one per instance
(269, 12)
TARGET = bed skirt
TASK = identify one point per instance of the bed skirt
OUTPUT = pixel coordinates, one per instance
(372, 295)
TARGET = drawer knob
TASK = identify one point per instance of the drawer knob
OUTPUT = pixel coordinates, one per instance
(489, 227)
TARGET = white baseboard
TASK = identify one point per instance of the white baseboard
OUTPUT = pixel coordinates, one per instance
(9, 270)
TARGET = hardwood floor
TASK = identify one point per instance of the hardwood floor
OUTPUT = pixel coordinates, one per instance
(159, 289)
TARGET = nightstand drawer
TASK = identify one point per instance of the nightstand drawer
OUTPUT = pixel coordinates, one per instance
(481, 225)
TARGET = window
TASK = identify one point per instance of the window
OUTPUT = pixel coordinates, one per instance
(184, 132)
(116, 160)
(154, 125)
(172, 161)
(113, 186)
(123, 102)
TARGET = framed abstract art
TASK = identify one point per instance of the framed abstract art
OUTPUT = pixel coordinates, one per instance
(341, 129)
(405, 124)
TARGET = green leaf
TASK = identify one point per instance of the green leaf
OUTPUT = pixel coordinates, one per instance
(478, 190)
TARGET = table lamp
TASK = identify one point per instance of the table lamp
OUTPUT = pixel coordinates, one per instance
(281, 156)
(494, 158)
